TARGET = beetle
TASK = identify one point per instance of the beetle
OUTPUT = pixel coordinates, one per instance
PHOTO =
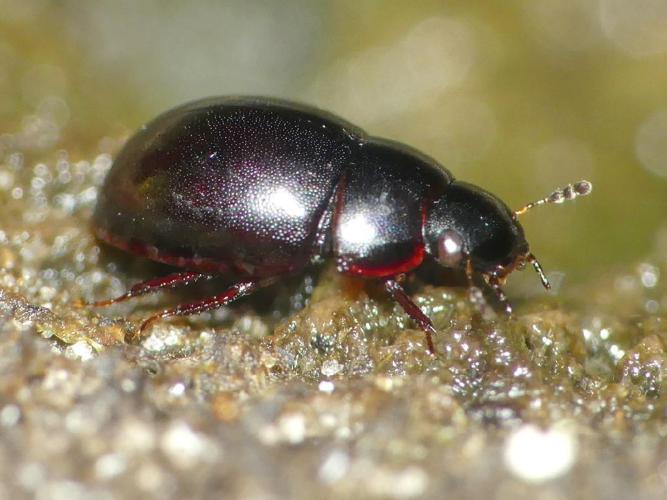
(256, 189)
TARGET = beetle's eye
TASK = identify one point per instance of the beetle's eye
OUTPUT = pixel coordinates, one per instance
(450, 249)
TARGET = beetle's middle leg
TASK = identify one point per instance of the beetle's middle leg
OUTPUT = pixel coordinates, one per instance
(412, 310)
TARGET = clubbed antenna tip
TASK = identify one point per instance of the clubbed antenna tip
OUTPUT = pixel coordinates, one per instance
(569, 192)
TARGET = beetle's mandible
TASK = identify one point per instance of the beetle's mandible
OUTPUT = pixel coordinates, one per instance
(256, 188)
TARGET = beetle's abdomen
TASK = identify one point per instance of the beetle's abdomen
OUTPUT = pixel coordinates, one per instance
(241, 183)
(381, 210)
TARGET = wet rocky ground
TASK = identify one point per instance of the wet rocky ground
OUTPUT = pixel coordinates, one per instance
(319, 387)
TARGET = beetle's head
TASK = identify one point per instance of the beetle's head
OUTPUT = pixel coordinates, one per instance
(469, 228)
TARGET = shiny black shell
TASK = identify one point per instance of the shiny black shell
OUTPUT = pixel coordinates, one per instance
(259, 187)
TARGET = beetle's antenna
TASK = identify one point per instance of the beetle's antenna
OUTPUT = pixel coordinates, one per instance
(538, 268)
(569, 192)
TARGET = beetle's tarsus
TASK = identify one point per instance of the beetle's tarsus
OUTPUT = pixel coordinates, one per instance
(79, 303)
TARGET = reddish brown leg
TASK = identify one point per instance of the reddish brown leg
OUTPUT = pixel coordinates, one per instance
(412, 310)
(154, 285)
(227, 297)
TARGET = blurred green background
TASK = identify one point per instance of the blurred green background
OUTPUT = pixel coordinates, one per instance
(517, 96)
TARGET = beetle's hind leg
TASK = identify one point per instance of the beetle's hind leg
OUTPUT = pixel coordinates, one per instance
(230, 295)
(152, 286)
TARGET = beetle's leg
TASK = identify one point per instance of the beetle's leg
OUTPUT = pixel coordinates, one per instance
(154, 285)
(233, 293)
(475, 294)
(496, 287)
(412, 310)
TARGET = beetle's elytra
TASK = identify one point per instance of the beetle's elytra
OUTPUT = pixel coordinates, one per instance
(256, 189)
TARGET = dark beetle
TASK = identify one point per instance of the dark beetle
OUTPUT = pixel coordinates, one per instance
(255, 189)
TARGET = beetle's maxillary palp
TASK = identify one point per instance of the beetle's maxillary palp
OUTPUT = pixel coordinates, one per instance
(538, 268)
(569, 192)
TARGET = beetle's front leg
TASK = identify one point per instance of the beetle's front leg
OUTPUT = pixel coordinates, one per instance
(496, 287)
